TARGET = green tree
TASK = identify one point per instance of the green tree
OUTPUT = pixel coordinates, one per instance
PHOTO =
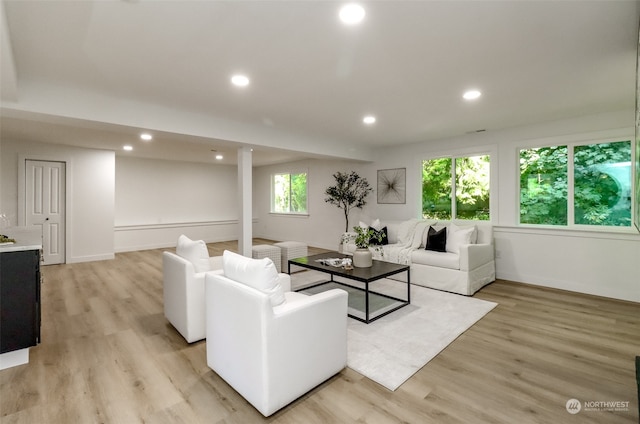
(602, 184)
(472, 187)
(282, 192)
(600, 174)
(436, 188)
(298, 192)
(543, 185)
(290, 192)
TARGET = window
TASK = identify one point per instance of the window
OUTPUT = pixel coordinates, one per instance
(597, 175)
(456, 188)
(543, 186)
(289, 193)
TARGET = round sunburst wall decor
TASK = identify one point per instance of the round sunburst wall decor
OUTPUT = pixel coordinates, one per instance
(392, 185)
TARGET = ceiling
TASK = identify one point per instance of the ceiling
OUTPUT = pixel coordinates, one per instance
(97, 73)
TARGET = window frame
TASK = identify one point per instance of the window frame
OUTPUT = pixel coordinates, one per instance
(571, 145)
(272, 202)
(491, 153)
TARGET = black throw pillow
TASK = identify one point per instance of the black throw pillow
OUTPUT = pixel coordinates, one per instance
(385, 238)
(437, 240)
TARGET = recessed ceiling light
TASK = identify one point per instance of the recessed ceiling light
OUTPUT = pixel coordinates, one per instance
(351, 13)
(471, 94)
(127, 148)
(219, 157)
(369, 120)
(240, 80)
(146, 137)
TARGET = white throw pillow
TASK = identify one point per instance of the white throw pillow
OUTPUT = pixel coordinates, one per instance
(376, 225)
(474, 235)
(458, 236)
(195, 251)
(405, 231)
(261, 274)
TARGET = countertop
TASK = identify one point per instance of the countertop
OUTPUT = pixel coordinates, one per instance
(26, 239)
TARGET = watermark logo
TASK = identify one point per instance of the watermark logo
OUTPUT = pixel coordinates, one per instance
(573, 406)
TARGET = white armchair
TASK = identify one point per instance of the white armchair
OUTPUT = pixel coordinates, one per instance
(271, 346)
(183, 286)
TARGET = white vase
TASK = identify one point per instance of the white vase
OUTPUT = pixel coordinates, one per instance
(362, 258)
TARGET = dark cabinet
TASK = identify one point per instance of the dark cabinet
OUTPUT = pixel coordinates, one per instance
(19, 300)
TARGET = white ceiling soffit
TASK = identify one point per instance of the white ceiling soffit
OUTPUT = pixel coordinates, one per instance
(165, 146)
(166, 65)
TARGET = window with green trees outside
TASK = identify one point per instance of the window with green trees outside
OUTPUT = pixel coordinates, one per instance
(543, 185)
(289, 193)
(456, 187)
(601, 184)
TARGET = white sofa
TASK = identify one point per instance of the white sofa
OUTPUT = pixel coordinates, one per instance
(270, 344)
(467, 265)
(183, 286)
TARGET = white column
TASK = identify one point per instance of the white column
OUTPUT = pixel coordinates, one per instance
(245, 208)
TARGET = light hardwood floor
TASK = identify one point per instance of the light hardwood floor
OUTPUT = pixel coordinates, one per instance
(108, 355)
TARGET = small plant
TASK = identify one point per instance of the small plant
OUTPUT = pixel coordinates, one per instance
(364, 236)
(347, 238)
(5, 239)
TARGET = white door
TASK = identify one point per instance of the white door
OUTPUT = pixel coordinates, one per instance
(45, 200)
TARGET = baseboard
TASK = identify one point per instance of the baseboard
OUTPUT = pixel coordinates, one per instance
(91, 258)
(165, 245)
(145, 247)
(536, 280)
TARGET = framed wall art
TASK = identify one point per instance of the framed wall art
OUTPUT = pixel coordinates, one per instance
(392, 185)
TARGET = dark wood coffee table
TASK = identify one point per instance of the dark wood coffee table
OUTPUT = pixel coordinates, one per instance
(366, 276)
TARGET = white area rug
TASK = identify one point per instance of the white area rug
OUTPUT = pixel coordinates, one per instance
(396, 346)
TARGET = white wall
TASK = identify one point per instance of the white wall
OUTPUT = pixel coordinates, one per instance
(136, 195)
(595, 262)
(157, 200)
(324, 223)
(605, 263)
(90, 194)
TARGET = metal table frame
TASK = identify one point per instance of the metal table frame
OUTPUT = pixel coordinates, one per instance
(377, 271)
